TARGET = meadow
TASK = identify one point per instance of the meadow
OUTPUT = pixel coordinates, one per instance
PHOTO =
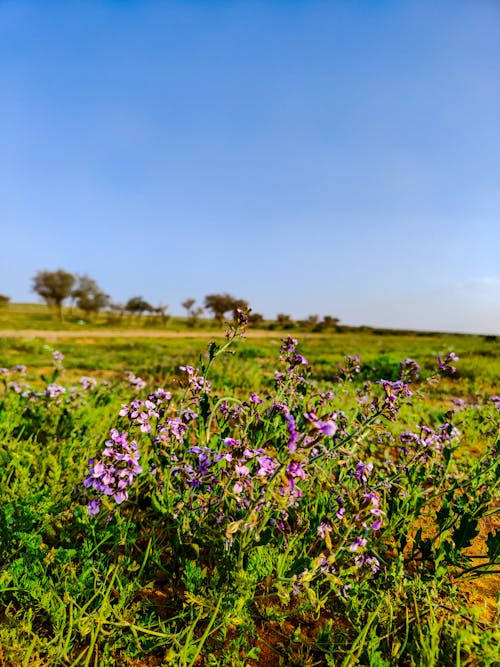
(239, 498)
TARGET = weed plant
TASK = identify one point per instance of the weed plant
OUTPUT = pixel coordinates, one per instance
(279, 518)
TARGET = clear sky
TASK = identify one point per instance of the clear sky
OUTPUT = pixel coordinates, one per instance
(332, 157)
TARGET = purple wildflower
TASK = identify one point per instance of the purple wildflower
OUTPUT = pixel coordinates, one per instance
(358, 542)
(445, 366)
(197, 382)
(117, 469)
(54, 390)
(362, 471)
(135, 382)
(326, 428)
(293, 434)
(87, 383)
(93, 507)
(409, 370)
(267, 466)
(323, 529)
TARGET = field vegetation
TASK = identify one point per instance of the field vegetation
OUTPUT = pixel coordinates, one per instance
(238, 498)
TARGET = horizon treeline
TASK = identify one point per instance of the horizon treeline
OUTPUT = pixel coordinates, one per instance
(59, 287)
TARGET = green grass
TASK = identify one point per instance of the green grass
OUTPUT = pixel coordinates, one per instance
(166, 580)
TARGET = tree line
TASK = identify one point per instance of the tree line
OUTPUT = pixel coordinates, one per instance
(60, 286)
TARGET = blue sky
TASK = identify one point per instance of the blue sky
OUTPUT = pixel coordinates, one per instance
(336, 158)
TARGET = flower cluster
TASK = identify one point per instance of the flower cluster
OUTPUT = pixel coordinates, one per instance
(409, 371)
(135, 382)
(445, 366)
(114, 472)
(428, 439)
(197, 383)
(240, 469)
(352, 367)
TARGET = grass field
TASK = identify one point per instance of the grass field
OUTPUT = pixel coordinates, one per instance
(285, 514)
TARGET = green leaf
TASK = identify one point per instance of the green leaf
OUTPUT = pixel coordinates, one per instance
(493, 544)
(465, 532)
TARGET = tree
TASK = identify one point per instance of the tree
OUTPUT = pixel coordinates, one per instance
(54, 287)
(193, 313)
(4, 300)
(161, 312)
(311, 322)
(138, 305)
(89, 296)
(284, 321)
(330, 322)
(256, 319)
(220, 304)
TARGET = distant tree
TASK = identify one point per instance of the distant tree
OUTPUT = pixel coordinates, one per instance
(54, 287)
(330, 322)
(188, 304)
(311, 322)
(239, 304)
(193, 312)
(161, 312)
(4, 300)
(220, 304)
(284, 321)
(137, 306)
(114, 312)
(88, 296)
(256, 319)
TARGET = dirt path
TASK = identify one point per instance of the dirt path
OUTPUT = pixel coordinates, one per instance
(126, 333)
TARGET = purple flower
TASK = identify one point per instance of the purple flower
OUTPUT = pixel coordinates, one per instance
(54, 390)
(323, 529)
(196, 382)
(160, 396)
(326, 428)
(120, 497)
(93, 507)
(358, 542)
(293, 434)
(135, 382)
(241, 470)
(267, 466)
(409, 370)
(295, 470)
(445, 366)
(373, 564)
(351, 368)
(87, 383)
(117, 469)
(362, 471)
